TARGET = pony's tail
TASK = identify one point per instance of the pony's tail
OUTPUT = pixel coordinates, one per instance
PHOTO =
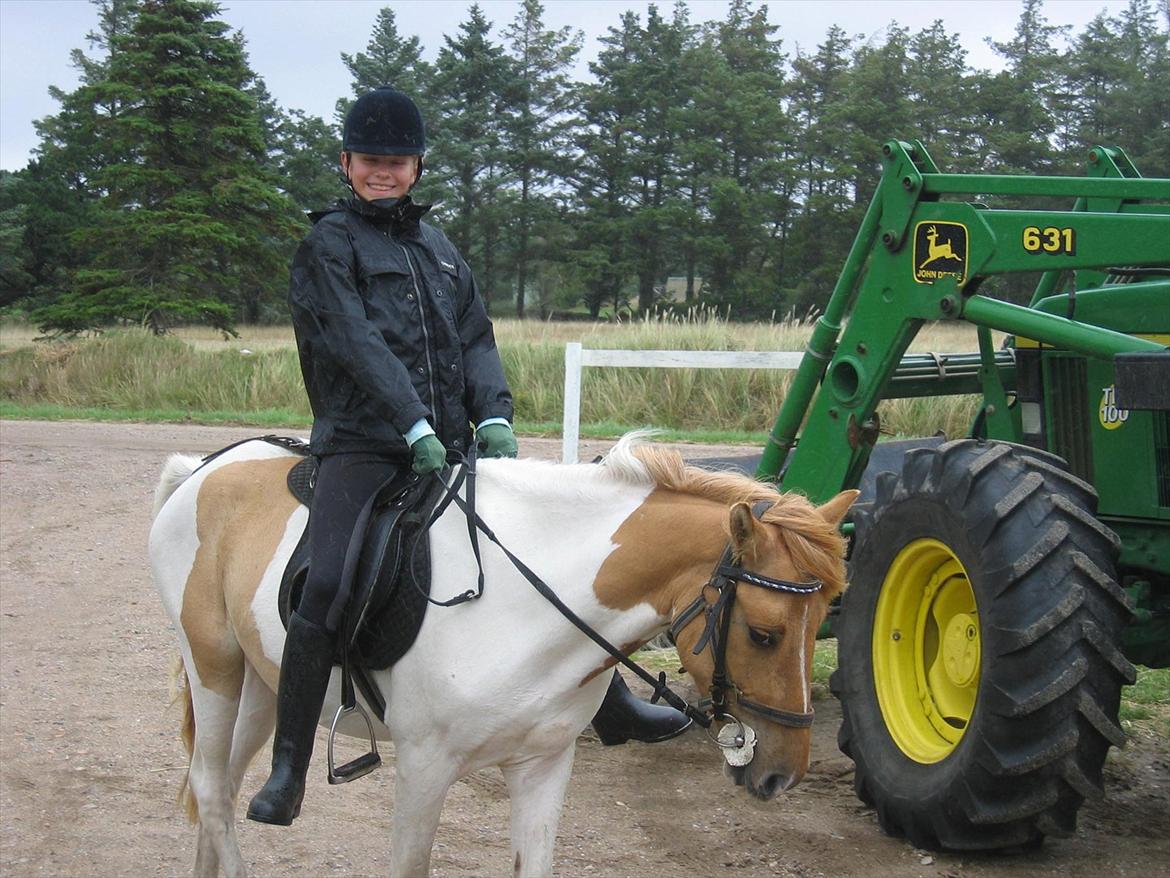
(181, 690)
(175, 471)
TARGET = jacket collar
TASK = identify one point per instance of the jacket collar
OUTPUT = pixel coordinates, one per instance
(399, 216)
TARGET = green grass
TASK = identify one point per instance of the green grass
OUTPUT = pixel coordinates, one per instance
(50, 412)
(1146, 704)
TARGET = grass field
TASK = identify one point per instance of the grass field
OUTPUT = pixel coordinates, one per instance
(200, 374)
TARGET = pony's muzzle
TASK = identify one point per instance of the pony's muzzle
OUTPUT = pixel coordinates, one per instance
(768, 787)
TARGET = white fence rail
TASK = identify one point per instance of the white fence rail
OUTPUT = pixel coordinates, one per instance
(577, 358)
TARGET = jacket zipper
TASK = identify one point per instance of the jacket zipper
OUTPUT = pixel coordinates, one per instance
(426, 335)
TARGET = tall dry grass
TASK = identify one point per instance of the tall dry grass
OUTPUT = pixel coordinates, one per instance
(199, 370)
(133, 370)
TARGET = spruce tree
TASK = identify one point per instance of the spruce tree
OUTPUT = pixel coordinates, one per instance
(941, 90)
(189, 227)
(16, 281)
(391, 60)
(747, 179)
(818, 95)
(538, 128)
(1018, 104)
(471, 78)
(602, 178)
(306, 160)
(661, 92)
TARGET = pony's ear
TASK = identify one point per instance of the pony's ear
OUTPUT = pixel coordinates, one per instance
(743, 528)
(834, 510)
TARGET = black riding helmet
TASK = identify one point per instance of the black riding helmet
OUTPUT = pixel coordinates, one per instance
(384, 122)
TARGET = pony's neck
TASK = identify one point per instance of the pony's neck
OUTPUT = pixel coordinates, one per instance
(665, 552)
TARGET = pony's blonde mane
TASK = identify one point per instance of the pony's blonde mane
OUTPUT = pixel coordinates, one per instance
(816, 546)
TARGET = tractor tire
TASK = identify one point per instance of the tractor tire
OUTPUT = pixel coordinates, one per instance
(978, 668)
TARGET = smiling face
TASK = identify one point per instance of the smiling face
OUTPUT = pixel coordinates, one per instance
(380, 176)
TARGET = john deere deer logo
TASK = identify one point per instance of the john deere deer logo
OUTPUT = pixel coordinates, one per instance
(940, 250)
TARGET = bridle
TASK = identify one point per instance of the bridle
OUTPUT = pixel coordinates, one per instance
(728, 571)
(724, 577)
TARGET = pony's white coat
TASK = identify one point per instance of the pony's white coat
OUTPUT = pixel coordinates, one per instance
(483, 685)
(504, 680)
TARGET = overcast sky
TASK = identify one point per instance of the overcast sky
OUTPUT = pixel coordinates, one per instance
(295, 45)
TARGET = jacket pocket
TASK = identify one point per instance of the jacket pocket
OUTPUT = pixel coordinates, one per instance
(384, 271)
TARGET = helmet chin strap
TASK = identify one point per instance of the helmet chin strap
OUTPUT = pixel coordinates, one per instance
(346, 176)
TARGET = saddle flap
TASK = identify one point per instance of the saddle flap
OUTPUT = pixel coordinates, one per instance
(388, 594)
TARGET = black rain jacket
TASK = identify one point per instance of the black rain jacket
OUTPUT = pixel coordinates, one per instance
(390, 328)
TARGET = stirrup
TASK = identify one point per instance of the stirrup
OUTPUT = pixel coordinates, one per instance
(361, 766)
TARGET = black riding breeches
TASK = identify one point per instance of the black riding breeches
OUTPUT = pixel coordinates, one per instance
(345, 482)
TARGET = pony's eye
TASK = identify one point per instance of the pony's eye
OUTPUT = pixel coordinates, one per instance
(762, 638)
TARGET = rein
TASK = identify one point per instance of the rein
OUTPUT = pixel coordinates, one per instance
(661, 689)
(723, 580)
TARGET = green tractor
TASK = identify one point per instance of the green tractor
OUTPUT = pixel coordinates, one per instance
(1001, 583)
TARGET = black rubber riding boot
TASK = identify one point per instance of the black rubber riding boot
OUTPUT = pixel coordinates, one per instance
(304, 677)
(625, 717)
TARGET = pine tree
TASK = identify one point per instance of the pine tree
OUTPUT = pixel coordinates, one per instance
(189, 226)
(471, 78)
(1017, 104)
(537, 129)
(388, 60)
(602, 179)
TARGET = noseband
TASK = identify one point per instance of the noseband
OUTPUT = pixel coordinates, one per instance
(723, 580)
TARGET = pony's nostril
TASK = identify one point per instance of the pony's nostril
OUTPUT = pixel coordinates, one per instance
(777, 783)
(771, 785)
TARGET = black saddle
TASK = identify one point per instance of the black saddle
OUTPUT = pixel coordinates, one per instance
(392, 578)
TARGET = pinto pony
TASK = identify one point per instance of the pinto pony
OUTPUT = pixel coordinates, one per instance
(505, 680)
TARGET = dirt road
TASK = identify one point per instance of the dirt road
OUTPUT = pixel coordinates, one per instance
(90, 758)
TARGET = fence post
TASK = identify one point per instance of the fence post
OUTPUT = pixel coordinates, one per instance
(572, 411)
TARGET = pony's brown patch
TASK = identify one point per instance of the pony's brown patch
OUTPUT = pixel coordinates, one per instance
(658, 543)
(810, 533)
(241, 514)
(686, 519)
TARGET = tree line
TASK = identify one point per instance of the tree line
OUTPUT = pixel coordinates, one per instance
(171, 186)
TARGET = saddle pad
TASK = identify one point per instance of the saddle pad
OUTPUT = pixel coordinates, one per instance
(301, 479)
(389, 594)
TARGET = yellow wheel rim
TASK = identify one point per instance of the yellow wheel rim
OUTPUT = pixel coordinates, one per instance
(926, 650)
